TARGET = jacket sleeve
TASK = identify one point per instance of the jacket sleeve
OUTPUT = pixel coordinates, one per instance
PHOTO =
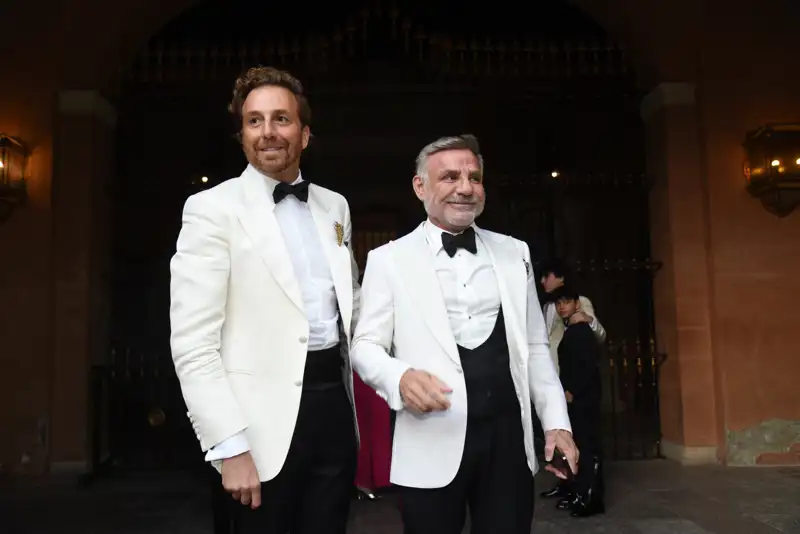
(198, 294)
(546, 391)
(372, 342)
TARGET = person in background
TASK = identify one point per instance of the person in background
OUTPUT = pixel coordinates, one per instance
(374, 428)
(579, 358)
(553, 276)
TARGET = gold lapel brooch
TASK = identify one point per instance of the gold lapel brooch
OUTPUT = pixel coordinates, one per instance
(339, 233)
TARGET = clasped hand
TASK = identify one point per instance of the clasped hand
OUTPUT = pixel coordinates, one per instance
(423, 392)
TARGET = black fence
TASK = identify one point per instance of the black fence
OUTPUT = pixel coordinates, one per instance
(139, 417)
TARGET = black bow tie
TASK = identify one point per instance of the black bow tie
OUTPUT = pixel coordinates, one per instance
(466, 240)
(282, 190)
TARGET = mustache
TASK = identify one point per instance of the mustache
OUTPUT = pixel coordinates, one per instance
(274, 142)
(264, 146)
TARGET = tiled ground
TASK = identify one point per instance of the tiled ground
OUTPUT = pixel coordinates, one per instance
(643, 498)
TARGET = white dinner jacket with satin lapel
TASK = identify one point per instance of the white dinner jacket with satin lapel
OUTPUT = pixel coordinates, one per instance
(239, 332)
(403, 314)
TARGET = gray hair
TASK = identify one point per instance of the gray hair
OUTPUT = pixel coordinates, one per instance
(459, 142)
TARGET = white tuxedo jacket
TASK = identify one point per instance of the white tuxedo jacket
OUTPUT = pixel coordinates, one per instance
(239, 332)
(403, 314)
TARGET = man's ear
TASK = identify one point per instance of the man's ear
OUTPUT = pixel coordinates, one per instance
(419, 186)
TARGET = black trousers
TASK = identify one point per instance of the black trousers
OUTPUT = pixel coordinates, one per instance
(584, 415)
(311, 494)
(493, 481)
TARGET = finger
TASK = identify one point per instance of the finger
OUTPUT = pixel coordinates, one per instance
(245, 498)
(418, 404)
(419, 399)
(436, 399)
(572, 458)
(255, 496)
(236, 495)
(549, 448)
(557, 472)
(439, 384)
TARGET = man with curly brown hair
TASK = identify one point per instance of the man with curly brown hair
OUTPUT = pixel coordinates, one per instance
(264, 296)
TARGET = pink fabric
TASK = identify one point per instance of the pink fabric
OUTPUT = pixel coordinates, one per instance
(374, 425)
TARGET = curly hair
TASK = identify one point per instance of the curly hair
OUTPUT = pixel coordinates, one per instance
(256, 77)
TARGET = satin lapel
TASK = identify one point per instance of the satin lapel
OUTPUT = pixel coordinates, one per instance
(413, 260)
(337, 254)
(258, 220)
(509, 269)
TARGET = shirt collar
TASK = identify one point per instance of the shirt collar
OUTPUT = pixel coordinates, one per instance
(272, 182)
(433, 235)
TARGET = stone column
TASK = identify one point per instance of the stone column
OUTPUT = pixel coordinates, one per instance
(82, 169)
(689, 400)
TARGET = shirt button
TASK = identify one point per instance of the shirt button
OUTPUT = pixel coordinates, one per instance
(302, 339)
(298, 383)
(459, 371)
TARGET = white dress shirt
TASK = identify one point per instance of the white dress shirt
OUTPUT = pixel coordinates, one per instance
(313, 275)
(469, 289)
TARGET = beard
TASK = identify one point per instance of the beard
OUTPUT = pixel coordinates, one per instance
(460, 217)
(272, 157)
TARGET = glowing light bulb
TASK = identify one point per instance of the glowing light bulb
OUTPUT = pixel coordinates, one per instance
(204, 179)
(555, 174)
(776, 162)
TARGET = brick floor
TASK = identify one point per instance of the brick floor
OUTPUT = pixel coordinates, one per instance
(655, 497)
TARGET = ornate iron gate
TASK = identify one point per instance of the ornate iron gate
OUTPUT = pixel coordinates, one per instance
(383, 88)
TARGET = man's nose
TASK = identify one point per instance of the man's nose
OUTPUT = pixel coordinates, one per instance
(464, 187)
(267, 129)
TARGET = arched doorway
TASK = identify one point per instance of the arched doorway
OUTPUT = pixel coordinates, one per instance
(555, 105)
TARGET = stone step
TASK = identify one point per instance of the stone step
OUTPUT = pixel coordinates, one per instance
(791, 457)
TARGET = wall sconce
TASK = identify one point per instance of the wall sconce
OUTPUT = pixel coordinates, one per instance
(13, 162)
(772, 166)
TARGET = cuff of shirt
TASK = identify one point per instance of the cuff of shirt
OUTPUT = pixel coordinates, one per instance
(228, 448)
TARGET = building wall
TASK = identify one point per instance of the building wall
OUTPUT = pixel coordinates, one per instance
(726, 295)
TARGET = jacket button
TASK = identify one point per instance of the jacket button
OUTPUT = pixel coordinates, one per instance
(302, 339)
(298, 383)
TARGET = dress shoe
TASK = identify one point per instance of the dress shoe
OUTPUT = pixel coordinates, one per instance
(587, 507)
(566, 503)
(560, 490)
(363, 494)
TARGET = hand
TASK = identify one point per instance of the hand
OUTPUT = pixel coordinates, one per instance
(579, 317)
(240, 479)
(423, 392)
(568, 395)
(563, 440)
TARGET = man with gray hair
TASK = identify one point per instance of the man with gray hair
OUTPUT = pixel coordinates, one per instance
(452, 336)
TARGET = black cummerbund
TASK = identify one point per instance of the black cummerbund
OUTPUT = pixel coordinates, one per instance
(323, 367)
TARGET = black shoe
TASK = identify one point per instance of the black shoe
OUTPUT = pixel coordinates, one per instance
(566, 503)
(586, 508)
(558, 491)
(363, 494)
